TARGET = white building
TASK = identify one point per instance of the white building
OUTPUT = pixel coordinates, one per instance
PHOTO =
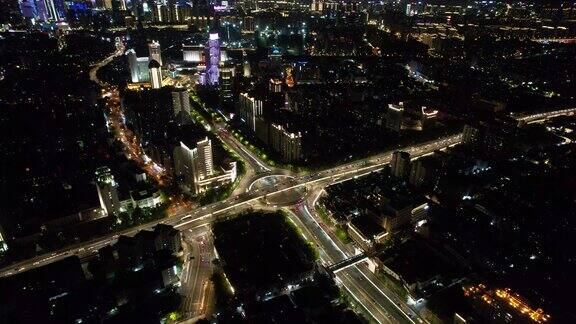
(155, 52)
(107, 191)
(247, 70)
(196, 166)
(155, 74)
(193, 53)
(146, 198)
(180, 101)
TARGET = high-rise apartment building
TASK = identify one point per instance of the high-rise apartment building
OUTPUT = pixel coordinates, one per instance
(226, 75)
(180, 101)
(400, 164)
(288, 144)
(138, 67)
(250, 108)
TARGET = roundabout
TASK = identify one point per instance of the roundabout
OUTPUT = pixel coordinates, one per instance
(282, 198)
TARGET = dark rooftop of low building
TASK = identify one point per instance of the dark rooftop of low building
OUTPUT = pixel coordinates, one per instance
(367, 226)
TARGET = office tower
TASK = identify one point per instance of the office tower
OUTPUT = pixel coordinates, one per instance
(204, 162)
(138, 67)
(247, 71)
(155, 74)
(107, 191)
(249, 109)
(275, 85)
(213, 59)
(223, 54)
(154, 51)
(41, 10)
(226, 76)
(394, 117)
(192, 53)
(195, 164)
(143, 70)
(400, 164)
(248, 24)
(180, 101)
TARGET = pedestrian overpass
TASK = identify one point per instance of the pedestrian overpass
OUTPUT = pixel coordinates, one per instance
(341, 265)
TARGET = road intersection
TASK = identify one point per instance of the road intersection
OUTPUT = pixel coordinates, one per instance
(362, 285)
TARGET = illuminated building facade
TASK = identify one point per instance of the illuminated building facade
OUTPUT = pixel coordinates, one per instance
(138, 67)
(155, 52)
(246, 69)
(394, 117)
(288, 144)
(43, 10)
(196, 167)
(250, 108)
(213, 59)
(107, 191)
(155, 74)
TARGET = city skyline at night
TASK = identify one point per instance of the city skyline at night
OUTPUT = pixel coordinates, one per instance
(298, 161)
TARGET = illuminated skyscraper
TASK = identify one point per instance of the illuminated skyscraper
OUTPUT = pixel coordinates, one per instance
(247, 71)
(3, 245)
(42, 10)
(155, 52)
(249, 109)
(226, 76)
(213, 59)
(138, 67)
(155, 74)
(55, 10)
(196, 166)
(107, 191)
(192, 53)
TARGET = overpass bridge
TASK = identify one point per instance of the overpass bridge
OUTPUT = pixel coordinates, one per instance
(353, 260)
(540, 116)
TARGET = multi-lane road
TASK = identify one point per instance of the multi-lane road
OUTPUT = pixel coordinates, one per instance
(360, 283)
(186, 218)
(196, 286)
(352, 280)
